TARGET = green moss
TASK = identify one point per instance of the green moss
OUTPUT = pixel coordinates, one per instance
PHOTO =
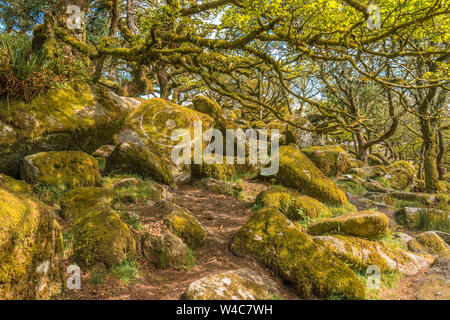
(331, 160)
(295, 207)
(401, 175)
(352, 186)
(155, 120)
(428, 242)
(76, 118)
(100, 237)
(423, 219)
(367, 224)
(298, 172)
(374, 160)
(207, 106)
(29, 238)
(277, 243)
(185, 226)
(69, 168)
(214, 171)
(135, 159)
(127, 271)
(359, 253)
(14, 185)
(80, 200)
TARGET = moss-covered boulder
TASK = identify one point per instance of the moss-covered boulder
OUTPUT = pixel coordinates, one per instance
(207, 106)
(241, 284)
(78, 201)
(366, 224)
(373, 160)
(154, 121)
(137, 159)
(276, 242)
(164, 250)
(295, 207)
(31, 249)
(214, 171)
(423, 219)
(182, 223)
(401, 175)
(298, 172)
(78, 118)
(221, 187)
(428, 242)
(331, 160)
(100, 237)
(359, 254)
(55, 168)
(434, 285)
(13, 185)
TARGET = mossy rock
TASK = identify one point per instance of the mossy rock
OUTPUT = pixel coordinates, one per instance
(295, 207)
(428, 242)
(372, 172)
(241, 284)
(360, 254)
(183, 224)
(355, 163)
(401, 175)
(136, 159)
(366, 224)
(280, 245)
(333, 161)
(154, 121)
(434, 285)
(373, 160)
(56, 168)
(298, 172)
(423, 219)
(31, 249)
(75, 118)
(81, 200)
(207, 106)
(13, 185)
(214, 171)
(164, 250)
(100, 237)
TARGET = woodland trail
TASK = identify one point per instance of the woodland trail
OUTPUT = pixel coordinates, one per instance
(222, 216)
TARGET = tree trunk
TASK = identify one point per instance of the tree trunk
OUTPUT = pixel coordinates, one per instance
(430, 156)
(440, 155)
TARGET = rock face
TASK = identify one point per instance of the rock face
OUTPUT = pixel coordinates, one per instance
(298, 172)
(136, 159)
(69, 168)
(183, 224)
(214, 171)
(31, 249)
(78, 201)
(401, 175)
(428, 242)
(360, 254)
(100, 237)
(436, 283)
(13, 185)
(81, 118)
(154, 122)
(277, 243)
(241, 284)
(331, 160)
(295, 207)
(164, 250)
(366, 224)
(423, 218)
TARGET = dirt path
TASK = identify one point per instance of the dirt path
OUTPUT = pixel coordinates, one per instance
(222, 216)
